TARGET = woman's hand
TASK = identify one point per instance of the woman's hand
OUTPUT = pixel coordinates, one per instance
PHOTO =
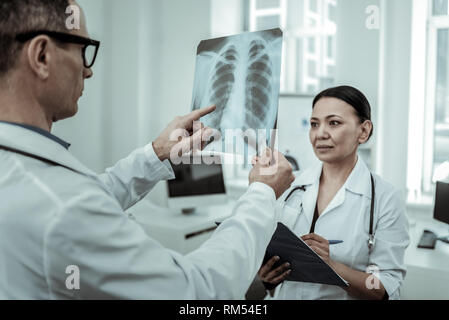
(274, 276)
(319, 245)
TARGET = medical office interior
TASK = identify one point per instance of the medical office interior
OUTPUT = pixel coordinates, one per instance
(396, 52)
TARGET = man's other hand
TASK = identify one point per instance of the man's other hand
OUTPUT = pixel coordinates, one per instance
(274, 170)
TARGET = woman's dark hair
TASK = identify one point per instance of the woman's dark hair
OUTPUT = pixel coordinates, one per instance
(351, 96)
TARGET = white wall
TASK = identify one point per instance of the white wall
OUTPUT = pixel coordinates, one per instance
(183, 24)
(378, 63)
(358, 61)
(357, 64)
(357, 50)
(394, 104)
(227, 17)
(86, 131)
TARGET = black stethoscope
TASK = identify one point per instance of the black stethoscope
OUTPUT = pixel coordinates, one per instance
(371, 239)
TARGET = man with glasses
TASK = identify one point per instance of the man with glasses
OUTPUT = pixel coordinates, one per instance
(63, 230)
(89, 50)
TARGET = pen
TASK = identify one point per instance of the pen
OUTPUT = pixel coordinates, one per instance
(335, 241)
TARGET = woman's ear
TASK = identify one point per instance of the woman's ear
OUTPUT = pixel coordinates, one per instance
(39, 56)
(366, 127)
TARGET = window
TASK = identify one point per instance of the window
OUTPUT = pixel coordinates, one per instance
(436, 149)
(439, 7)
(429, 99)
(309, 26)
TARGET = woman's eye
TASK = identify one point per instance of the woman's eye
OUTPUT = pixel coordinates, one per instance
(334, 123)
(313, 124)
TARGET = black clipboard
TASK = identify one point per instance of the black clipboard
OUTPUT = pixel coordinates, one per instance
(306, 264)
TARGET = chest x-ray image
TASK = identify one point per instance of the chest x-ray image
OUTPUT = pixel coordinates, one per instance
(240, 74)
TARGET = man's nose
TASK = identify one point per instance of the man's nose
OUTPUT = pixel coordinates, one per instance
(88, 73)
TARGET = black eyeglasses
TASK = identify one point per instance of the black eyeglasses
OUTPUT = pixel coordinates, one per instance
(90, 48)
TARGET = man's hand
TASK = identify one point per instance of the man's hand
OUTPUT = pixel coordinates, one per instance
(274, 171)
(182, 131)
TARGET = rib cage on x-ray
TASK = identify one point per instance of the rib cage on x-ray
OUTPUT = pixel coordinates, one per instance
(241, 85)
(223, 79)
(240, 75)
(258, 86)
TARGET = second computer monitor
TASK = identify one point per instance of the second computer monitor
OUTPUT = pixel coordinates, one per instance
(441, 210)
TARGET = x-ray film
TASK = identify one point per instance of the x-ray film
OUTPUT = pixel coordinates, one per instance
(240, 74)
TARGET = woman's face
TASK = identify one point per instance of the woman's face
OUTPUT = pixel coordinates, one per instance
(336, 130)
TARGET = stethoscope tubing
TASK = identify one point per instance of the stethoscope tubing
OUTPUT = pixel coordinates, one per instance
(371, 239)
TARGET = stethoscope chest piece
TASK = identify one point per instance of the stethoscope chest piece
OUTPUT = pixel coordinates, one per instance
(371, 242)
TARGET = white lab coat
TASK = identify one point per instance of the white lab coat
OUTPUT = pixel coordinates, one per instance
(52, 217)
(347, 218)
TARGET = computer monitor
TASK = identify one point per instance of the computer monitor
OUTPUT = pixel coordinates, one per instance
(197, 183)
(441, 210)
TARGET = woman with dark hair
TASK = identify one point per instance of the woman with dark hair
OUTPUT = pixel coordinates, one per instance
(333, 201)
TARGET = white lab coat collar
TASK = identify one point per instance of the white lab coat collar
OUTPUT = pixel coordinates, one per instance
(25, 140)
(358, 182)
(310, 176)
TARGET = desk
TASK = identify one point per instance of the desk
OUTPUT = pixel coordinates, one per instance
(176, 231)
(427, 270)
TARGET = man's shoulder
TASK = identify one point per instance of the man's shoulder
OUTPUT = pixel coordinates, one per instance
(84, 202)
(73, 187)
(59, 183)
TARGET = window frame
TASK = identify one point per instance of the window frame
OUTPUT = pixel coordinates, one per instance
(290, 84)
(434, 24)
(252, 13)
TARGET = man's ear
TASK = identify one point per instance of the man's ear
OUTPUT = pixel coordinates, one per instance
(39, 56)
(367, 127)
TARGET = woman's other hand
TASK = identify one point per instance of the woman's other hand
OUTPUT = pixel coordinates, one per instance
(274, 276)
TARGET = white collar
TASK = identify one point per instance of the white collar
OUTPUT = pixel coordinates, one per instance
(359, 180)
(33, 143)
